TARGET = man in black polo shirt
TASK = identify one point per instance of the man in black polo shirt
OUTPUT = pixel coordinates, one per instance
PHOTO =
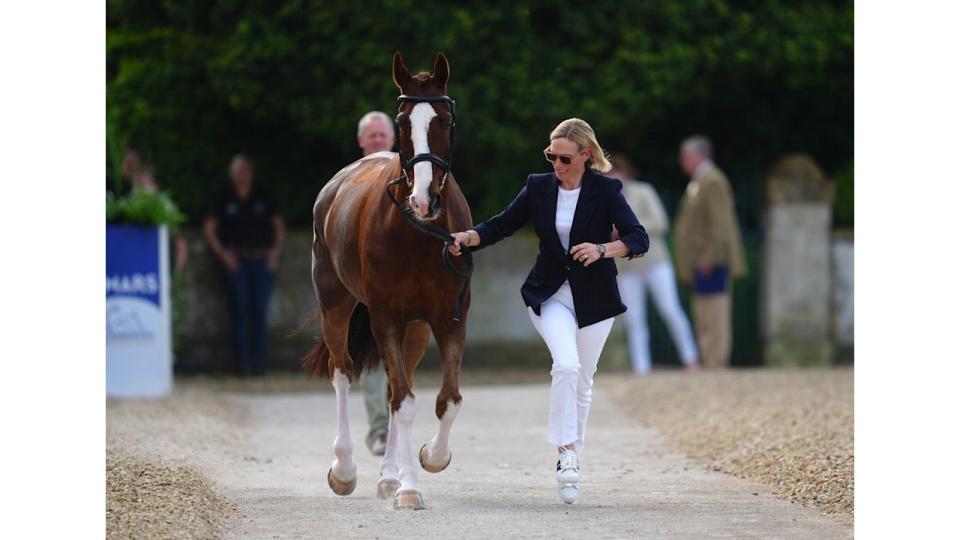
(246, 233)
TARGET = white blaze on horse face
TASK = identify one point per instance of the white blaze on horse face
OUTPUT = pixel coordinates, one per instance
(420, 119)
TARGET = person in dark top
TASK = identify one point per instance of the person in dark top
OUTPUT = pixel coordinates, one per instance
(246, 233)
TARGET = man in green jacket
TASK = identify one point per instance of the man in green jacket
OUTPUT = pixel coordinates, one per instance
(709, 249)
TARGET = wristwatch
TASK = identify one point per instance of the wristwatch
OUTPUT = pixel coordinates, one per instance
(603, 250)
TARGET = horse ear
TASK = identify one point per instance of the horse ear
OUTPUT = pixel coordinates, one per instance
(441, 70)
(401, 75)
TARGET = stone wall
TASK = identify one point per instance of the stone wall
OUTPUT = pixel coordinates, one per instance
(499, 332)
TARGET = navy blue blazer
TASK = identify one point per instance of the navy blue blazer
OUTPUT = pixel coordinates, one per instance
(600, 206)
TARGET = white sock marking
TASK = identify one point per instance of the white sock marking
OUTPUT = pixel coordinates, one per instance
(343, 466)
(390, 467)
(439, 447)
(409, 463)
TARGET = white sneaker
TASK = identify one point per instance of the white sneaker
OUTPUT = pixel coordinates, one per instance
(568, 476)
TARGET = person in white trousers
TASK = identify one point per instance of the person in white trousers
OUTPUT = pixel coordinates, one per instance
(571, 293)
(654, 273)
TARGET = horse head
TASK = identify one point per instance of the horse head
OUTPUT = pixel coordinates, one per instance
(425, 123)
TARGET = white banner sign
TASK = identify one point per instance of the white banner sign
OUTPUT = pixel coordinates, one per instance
(139, 355)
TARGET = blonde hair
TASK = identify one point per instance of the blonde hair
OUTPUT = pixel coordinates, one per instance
(580, 132)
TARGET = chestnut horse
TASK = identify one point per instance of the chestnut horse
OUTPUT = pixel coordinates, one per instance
(383, 285)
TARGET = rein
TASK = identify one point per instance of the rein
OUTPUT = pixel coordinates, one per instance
(447, 239)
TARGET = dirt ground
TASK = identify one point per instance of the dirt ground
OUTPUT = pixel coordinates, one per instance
(792, 429)
(240, 459)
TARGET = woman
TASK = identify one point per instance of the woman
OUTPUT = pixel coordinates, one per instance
(653, 274)
(571, 293)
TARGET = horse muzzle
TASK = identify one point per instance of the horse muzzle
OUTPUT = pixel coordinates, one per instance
(425, 208)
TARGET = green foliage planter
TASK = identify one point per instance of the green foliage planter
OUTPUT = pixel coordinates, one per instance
(144, 208)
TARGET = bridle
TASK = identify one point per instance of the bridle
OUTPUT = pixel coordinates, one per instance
(447, 164)
(433, 230)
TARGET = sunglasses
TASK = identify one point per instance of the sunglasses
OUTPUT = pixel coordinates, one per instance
(551, 157)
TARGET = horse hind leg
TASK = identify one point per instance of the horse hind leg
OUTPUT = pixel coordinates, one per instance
(435, 455)
(342, 476)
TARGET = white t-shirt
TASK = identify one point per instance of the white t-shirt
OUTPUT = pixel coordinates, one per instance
(566, 205)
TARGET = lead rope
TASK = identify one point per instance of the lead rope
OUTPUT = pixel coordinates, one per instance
(443, 236)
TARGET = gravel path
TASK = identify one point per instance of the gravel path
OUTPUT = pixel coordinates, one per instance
(268, 454)
(155, 498)
(792, 429)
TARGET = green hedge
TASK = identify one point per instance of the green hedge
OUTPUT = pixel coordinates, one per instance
(285, 80)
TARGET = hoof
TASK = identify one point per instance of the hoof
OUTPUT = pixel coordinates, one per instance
(432, 468)
(387, 488)
(338, 487)
(408, 499)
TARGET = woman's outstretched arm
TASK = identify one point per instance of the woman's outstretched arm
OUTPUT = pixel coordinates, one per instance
(500, 226)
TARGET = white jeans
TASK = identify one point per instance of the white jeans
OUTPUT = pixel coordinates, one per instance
(575, 353)
(659, 279)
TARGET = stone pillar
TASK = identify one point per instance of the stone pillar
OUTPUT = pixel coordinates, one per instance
(796, 269)
(843, 290)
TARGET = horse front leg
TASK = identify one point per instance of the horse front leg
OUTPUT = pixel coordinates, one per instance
(389, 336)
(415, 341)
(435, 456)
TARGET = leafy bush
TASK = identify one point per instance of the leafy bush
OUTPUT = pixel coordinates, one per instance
(144, 208)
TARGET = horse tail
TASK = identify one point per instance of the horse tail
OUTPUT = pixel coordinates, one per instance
(312, 316)
(317, 360)
(360, 345)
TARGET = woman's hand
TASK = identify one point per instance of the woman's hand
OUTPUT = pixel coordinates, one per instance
(585, 253)
(467, 238)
